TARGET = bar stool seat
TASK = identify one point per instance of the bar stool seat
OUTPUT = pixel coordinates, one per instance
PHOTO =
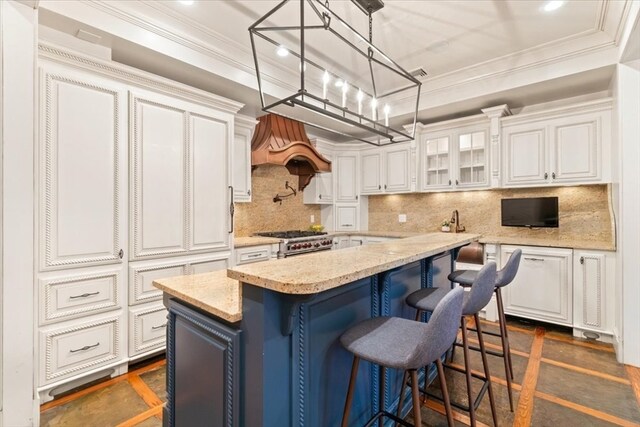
(392, 342)
(463, 277)
(427, 299)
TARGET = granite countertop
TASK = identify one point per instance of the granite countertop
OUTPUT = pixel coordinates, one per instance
(295, 276)
(212, 292)
(390, 234)
(244, 242)
(552, 242)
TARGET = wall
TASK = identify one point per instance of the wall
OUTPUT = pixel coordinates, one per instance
(584, 212)
(264, 215)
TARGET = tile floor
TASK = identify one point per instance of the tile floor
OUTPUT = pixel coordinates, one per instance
(559, 381)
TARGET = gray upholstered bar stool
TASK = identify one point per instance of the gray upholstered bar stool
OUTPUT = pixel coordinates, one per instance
(503, 278)
(478, 296)
(393, 342)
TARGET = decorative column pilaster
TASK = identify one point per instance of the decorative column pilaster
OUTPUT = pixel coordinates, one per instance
(494, 114)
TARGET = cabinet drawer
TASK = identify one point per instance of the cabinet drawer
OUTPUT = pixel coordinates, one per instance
(147, 328)
(142, 275)
(70, 296)
(79, 348)
(253, 254)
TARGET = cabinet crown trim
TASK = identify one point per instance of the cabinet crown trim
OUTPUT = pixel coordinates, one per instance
(581, 108)
(132, 75)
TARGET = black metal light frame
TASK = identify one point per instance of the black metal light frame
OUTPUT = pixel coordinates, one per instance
(385, 134)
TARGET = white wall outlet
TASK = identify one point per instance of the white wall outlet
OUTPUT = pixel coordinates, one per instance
(402, 218)
(312, 219)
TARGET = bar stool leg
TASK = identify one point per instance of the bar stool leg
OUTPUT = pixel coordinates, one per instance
(486, 370)
(383, 386)
(503, 320)
(505, 348)
(445, 393)
(415, 397)
(405, 376)
(467, 367)
(349, 400)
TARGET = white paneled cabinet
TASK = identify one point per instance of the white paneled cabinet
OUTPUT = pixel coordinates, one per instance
(542, 288)
(386, 169)
(346, 167)
(347, 217)
(179, 170)
(320, 189)
(241, 171)
(593, 304)
(123, 189)
(83, 173)
(558, 148)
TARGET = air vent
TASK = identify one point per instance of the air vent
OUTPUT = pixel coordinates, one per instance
(418, 73)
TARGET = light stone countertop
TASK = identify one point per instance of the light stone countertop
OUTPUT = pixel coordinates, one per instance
(244, 242)
(390, 234)
(552, 242)
(212, 292)
(330, 269)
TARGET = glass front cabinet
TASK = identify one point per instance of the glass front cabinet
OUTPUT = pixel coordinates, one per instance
(454, 158)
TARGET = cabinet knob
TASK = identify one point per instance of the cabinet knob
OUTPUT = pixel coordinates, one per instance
(581, 260)
(553, 175)
(248, 192)
(385, 186)
(356, 197)
(449, 182)
(546, 175)
(121, 254)
(457, 182)
(379, 187)
(320, 196)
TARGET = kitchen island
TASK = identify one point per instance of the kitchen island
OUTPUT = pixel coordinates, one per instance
(268, 354)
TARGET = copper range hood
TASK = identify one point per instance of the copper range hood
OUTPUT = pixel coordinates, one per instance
(282, 141)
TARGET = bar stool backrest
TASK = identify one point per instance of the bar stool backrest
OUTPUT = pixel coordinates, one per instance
(441, 330)
(481, 290)
(510, 269)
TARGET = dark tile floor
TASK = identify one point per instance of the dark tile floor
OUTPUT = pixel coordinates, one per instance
(558, 381)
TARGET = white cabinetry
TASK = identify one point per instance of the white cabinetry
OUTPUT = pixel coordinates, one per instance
(455, 158)
(542, 289)
(252, 254)
(347, 217)
(320, 189)
(558, 147)
(593, 291)
(386, 169)
(241, 171)
(179, 171)
(346, 173)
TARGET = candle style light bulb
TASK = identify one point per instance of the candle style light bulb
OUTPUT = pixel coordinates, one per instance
(345, 89)
(325, 81)
(374, 104)
(360, 97)
(386, 114)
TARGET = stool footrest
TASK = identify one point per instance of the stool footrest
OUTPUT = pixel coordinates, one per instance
(493, 334)
(476, 401)
(488, 351)
(382, 414)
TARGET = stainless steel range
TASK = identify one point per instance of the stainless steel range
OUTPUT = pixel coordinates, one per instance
(297, 242)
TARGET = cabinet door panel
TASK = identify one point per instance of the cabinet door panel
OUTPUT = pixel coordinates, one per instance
(242, 164)
(82, 174)
(435, 164)
(371, 171)
(542, 287)
(576, 151)
(159, 179)
(347, 218)
(347, 178)
(525, 156)
(397, 170)
(589, 287)
(209, 190)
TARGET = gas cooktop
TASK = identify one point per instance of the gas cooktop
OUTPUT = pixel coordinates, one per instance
(291, 234)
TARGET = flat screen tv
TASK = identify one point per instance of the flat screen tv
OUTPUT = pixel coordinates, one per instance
(530, 212)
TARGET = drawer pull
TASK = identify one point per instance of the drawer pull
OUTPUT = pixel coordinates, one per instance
(164, 325)
(84, 295)
(86, 347)
(347, 225)
(534, 259)
(254, 255)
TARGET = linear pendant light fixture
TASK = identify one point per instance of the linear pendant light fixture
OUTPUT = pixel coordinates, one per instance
(334, 77)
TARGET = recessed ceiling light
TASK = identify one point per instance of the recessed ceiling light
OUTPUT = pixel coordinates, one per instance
(187, 2)
(553, 5)
(282, 51)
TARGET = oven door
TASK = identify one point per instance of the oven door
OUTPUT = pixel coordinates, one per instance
(282, 254)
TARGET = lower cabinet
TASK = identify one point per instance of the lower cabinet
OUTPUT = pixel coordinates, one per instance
(542, 288)
(203, 369)
(252, 254)
(147, 328)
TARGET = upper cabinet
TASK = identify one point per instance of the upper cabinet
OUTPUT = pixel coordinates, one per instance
(346, 171)
(241, 173)
(563, 146)
(455, 158)
(83, 172)
(386, 169)
(180, 190)
(320, 189)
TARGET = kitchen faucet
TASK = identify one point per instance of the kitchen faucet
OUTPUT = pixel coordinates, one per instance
(455, 219)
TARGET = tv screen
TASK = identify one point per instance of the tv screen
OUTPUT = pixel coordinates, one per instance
(530, 212)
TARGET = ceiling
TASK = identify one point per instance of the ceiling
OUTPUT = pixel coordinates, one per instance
(477, 53)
